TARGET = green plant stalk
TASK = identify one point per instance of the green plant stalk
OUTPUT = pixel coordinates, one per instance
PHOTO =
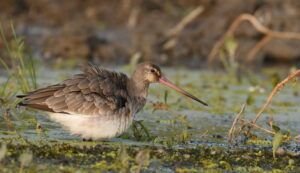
(23, 66)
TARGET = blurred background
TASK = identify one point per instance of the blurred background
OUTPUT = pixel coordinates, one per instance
(231, 54)
(113, 32)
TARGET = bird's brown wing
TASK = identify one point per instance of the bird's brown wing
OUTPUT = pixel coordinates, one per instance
(95, 92)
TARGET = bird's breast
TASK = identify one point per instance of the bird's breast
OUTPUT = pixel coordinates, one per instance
(137, 104)
(93, 127)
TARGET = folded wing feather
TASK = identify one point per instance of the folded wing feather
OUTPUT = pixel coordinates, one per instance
(95, 92)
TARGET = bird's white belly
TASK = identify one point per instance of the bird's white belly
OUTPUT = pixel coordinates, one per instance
(93, 127)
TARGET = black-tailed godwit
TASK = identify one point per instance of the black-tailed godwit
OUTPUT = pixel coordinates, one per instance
(98, 103)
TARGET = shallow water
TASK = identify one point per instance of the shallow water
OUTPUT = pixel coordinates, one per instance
(184, 127)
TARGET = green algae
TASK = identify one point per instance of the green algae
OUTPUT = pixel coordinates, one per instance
(69, 156)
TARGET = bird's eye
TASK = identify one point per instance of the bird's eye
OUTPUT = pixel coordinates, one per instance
(152, 70)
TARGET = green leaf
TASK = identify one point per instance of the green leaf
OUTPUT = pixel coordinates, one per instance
(275, 128)
(250, 100)
(166, 96)
(3, 151)
(277, 140)
(231, 45)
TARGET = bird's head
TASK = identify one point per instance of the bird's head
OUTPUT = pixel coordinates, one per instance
(150, 73)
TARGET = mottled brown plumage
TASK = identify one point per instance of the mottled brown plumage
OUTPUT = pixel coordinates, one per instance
(92, 92)
(98, 103)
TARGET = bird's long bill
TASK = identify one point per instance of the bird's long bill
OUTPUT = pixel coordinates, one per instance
(163, 80)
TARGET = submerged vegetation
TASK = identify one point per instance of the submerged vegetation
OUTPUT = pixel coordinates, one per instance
(123, 158)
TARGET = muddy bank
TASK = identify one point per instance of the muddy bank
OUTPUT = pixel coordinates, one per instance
(113, 31)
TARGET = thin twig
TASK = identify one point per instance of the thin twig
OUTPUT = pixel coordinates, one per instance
(204, 134)
(133, 18)
(236, 119)
(257, 25)
(258, 46)
(185, 21)
(252, 123)
(278, 87)
(175, 31)
(259, 127)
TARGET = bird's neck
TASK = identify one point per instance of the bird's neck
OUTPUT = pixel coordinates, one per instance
(137, 87)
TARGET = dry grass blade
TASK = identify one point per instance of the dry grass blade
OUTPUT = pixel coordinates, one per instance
(252, 124)
(174, 32)
(278, 87)
(258, 46)
(185, 21)
(270, 34)
(258, 127)
(234, 123)
(133, 18)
